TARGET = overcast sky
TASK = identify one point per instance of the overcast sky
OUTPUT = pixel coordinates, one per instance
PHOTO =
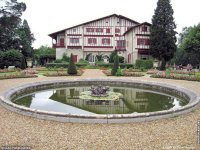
(48, 16)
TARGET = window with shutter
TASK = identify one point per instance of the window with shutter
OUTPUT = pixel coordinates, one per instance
(108, 30)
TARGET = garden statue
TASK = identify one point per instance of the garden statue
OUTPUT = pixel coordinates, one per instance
(99, 90)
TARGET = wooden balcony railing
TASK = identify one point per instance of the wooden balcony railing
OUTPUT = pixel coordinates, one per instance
(58, 45)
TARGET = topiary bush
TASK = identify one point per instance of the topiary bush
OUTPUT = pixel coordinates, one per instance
(115, 66)
(72, 67)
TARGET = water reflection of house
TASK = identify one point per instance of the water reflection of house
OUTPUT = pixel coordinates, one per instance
(135, 99)
(70, 96)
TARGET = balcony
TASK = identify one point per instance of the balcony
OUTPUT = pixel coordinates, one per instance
(58, 45)
(143, 51)
(120, 48)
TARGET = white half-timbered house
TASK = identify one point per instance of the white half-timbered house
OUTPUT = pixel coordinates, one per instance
(101, 37)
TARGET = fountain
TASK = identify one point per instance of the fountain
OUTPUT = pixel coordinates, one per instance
(100, 93)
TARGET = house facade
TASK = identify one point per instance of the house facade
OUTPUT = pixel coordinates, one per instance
(101, 37)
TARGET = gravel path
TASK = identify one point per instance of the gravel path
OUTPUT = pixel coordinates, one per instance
(173, 133)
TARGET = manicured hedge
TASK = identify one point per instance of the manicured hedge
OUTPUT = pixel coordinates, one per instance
(145, 64)
(107, 65)
(63, 65)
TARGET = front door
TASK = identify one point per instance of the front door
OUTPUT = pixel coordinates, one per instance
(75, 58)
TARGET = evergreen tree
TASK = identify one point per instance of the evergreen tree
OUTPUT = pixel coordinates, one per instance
(163, 34)
(26, 39)
(71, 68)
(116, 65)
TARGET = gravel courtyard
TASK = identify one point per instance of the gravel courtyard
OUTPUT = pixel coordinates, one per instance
(173, 133)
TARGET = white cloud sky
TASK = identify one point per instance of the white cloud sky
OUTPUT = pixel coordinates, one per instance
(48, 16)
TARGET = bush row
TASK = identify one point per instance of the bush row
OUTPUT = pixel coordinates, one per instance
(82, 65)
(144, 64)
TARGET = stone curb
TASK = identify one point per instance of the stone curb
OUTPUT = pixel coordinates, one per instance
(5, 100)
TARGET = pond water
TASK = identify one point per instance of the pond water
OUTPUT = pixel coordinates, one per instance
(67, 100)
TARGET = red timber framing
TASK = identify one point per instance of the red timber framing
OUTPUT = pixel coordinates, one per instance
(74, 47)
(88, 35)
(98, 46)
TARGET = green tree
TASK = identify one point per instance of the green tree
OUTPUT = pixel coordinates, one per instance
(26, 39)
(191, 42)
(72, 67)
(1, 60)
(44, 54)
(115, 66)
(10, 13)
(163, 34)
(14, 58)
(181, 56)
(112, 57)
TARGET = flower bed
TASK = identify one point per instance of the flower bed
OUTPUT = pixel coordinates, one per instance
(10, 70)
(29, 71)
(132, 74)
(152, 71)
(183, 72)
(173, 76)
(19, 75)
(125, 73)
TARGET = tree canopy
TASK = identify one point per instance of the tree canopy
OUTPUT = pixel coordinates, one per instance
(191, 42)
(163, 34)
(14, 33)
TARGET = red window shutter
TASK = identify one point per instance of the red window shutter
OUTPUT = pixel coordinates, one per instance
(87, 29)
(95, 41)
(109, 41)
(61, 42)
(138, 41)
(102, 30)
(89, 41)
(108, 30)
(102, 41)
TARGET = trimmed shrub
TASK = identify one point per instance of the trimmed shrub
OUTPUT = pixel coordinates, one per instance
(57, 65)
(82, 61)
(115, 66)
(65, 58)
(144, 64)
(72, 67)
(81, 65)
(58, 61)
